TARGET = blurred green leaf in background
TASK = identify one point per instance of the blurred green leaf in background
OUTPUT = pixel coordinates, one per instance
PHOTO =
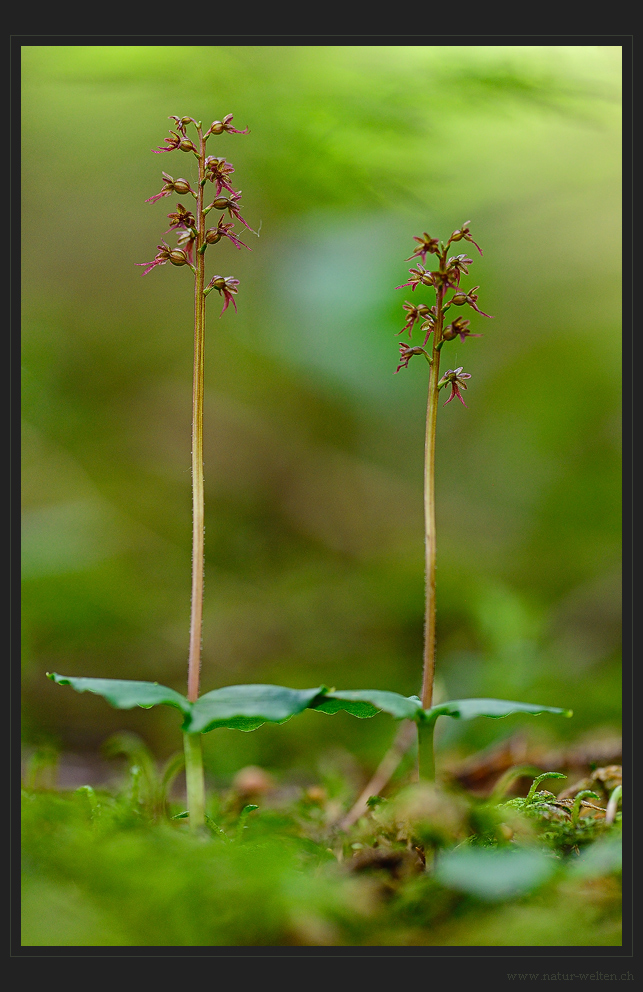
(313, 448)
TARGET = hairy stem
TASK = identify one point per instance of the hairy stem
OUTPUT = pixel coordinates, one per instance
(192, 742)
(428, 671)
(198, 511)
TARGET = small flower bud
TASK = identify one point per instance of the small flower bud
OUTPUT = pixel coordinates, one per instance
(459, 299)
(187, 146)
(212, 235)
(181, 186)
(178, 257)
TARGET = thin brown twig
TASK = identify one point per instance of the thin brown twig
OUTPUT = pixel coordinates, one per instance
(404, 739)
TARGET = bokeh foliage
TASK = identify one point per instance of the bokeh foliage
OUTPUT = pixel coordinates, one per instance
(314, 557)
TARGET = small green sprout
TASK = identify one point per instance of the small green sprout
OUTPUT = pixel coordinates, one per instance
(531, 795)
(583, 794)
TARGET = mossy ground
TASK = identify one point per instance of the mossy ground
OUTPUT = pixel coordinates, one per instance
(430, 866)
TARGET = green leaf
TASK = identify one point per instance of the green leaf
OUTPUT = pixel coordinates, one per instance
(124, 694)
(601, 858)
(467, 709)
(246, 707)
(364, 703)
(361, 710)
(494, 875)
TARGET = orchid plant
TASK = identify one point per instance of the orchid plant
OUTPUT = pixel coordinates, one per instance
(247, 707)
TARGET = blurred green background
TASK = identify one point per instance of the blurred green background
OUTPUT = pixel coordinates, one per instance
(313, 448)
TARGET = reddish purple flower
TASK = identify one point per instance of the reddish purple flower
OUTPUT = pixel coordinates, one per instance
(420, 312)
(186, 240)
(218, 127)
(428, 326)
(465, 233)
(223, 230)
(182, 219)
(457, 265)
(176, 142)
(428, 245)
(182, 123)
(420, 275)
(455, 378)
(180, 186)
(229, 203)
(165, 254)
(218, 171)
(226, 287)
(407, 353)
(171, 143)
(460, 298)
(460, 326)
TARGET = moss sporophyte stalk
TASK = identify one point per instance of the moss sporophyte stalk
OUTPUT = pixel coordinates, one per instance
(247, 707)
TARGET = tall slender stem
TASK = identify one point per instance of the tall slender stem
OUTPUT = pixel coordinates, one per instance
(198, 505)
(195, 781)
(430, 548)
